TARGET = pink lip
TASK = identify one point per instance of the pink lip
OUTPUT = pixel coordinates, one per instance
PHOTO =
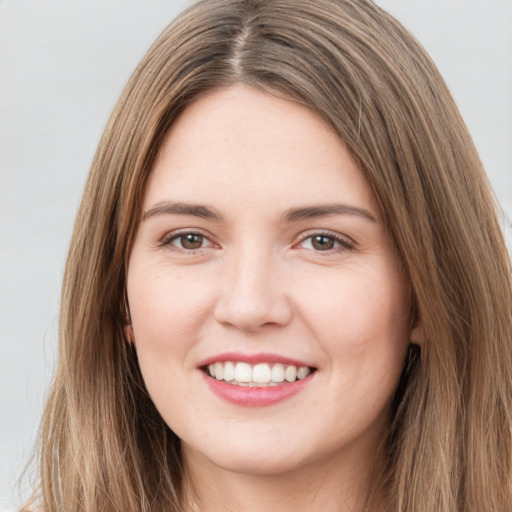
(255, 397)
(251, 359)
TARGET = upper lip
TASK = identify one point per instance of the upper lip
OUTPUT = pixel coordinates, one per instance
(252, 359)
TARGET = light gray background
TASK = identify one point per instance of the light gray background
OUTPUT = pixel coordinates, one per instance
(62, 66)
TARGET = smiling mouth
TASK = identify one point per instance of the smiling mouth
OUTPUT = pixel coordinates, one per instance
(259, 375)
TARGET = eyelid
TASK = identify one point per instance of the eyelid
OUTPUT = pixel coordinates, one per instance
(346, 243)
(166, 240)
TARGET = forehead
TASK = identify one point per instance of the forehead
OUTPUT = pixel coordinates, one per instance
(245, 144)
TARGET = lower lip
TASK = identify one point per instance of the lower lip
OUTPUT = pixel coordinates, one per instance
(256, 397)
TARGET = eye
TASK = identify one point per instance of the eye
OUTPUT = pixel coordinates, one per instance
(187, 241)
(324, 242)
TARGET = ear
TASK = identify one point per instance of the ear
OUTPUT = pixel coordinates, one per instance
(129, 334)
(416, 337)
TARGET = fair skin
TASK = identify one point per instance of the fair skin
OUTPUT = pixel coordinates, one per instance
(263, 244)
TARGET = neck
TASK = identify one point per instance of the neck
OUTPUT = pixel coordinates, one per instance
(325, 487)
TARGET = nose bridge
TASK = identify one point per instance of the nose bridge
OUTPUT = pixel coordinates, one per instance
(252, 290)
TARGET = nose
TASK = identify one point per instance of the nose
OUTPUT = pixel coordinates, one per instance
(252, 295)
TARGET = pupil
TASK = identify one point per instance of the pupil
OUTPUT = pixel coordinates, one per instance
(191, 241)
(323, 243)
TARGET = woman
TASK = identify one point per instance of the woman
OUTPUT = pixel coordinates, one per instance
(287, 286)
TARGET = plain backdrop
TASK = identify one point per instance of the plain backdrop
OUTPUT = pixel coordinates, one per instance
(62, 66)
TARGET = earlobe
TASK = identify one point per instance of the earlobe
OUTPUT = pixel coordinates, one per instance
(416, 336)
(129, 334)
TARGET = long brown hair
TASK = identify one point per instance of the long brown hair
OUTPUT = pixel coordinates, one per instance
(104, 447)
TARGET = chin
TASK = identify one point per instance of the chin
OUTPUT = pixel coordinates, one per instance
(257, 464)
(249, 458)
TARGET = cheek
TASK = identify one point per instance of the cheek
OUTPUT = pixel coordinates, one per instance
(168, 313)
(167, 310)
(360, 318)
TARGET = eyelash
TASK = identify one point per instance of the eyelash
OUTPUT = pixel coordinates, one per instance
(344, 243)
(170, 237)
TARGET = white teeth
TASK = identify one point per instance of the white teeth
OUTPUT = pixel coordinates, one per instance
(277, 373)
(302, 372)
(243, 372)
(219, 371)
(259, 375)
(290, 374)
(229, 371)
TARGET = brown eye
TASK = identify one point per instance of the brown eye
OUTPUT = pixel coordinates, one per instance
(189, 241)
(322, 242)
(325, 242)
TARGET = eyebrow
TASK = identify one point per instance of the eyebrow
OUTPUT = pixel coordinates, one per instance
(291, 215)
(171, 208)
(323, 210)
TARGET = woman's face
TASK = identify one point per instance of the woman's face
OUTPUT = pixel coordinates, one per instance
(262, 255)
